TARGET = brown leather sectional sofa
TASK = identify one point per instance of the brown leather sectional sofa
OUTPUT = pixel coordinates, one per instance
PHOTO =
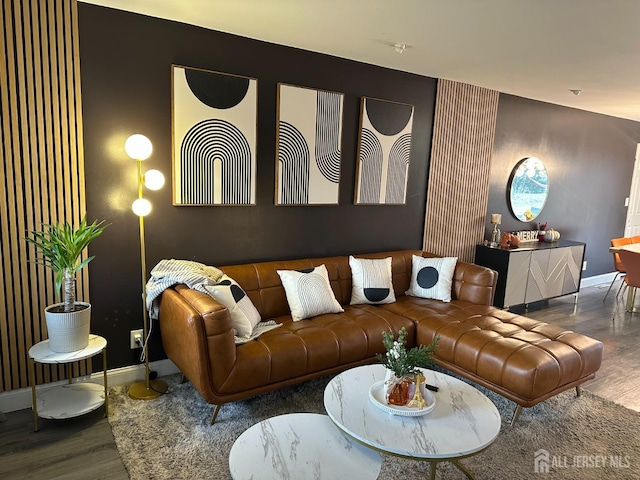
(524, 360)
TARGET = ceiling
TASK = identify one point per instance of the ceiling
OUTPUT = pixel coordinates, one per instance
(539, 49)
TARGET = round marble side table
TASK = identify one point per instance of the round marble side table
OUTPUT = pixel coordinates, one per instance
(72, 399)
(463, 422)
(297, 446)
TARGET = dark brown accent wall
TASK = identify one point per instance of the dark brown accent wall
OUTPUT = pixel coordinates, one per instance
(126, 84)
(589, 159)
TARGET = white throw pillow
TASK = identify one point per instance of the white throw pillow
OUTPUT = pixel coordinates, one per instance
(244, 315)
(432, 277)
(309, 292)
(371, 280)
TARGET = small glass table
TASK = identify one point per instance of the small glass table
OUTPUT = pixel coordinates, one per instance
(463, 422)
(73, 399)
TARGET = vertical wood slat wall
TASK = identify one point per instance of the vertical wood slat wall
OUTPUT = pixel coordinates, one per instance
(458, 188)
(42, 179)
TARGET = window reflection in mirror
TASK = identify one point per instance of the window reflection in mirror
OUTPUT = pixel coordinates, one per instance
(528, 188)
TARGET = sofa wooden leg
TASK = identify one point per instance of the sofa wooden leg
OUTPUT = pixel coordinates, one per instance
(578, 391)
(215, 414)
(516, 414)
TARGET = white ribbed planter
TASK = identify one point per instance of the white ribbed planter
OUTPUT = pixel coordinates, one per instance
(68, 332)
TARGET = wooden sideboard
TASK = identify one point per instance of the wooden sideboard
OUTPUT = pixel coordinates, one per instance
(534, 271)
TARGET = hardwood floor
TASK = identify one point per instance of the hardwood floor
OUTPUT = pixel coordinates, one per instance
(84, 447)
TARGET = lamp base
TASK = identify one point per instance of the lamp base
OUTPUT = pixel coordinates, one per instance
(139, 390)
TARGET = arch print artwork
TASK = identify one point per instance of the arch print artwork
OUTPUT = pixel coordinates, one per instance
(308, 146)
(384, 150)
(214, 138)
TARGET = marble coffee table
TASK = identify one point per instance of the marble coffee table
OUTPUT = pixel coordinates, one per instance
(463, 422)
(300, 446)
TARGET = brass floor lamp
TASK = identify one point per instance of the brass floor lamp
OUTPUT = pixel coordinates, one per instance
(139, 148)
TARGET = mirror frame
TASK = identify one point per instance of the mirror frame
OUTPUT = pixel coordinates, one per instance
(510, 188)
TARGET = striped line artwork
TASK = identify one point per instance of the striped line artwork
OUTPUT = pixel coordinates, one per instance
(329, 108)
(370, 167)
(397, 169)
(293, 155)
(216, 165)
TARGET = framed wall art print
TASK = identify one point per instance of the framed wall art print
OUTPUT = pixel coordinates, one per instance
(384, 151)
(308, 146)
(214, 137)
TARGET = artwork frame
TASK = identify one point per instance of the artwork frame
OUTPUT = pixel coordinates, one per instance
(384, 152)
(308, 146)
(214, 137)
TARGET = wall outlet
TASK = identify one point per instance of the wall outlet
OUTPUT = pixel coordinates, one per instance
(132, 339)
(626, 202)
(584, 265)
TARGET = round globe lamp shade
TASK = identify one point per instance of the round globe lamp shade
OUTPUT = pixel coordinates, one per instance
(141, 207)
(153, 179)
(138, 147)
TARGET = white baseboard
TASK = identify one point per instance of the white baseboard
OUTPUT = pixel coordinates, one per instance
(19, 399)
(604, 279)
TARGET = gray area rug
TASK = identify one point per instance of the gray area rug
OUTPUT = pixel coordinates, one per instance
(585, 437)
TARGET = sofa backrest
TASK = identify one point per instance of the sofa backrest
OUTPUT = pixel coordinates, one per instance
(262, 282)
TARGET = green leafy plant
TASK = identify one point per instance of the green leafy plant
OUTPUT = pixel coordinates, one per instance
(402, 361)
(61, 247)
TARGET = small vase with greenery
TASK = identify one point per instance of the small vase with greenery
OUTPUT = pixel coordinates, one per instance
(61, 247)
(403, 364)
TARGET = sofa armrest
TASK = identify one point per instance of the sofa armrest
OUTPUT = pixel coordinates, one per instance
(197, 335)
(474, 283)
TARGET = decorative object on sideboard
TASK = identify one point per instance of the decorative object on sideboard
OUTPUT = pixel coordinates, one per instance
(139, 148)
(62, 247)
(526, 236)
(527, 189)
(496, 219)
(551, 235)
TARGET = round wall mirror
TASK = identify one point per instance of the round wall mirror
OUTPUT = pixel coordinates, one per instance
(528, 188)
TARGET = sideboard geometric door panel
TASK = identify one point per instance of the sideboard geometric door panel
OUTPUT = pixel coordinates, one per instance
(518, 272)
(546, 274)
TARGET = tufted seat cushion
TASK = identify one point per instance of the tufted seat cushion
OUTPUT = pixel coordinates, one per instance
(305, 347)
(525, 360)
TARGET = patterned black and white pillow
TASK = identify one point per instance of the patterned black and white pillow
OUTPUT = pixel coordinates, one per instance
(432, 277)
(309, 292)
(371, 281)
(244, 315)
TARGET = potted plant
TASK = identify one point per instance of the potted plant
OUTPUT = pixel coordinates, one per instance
(61, 247)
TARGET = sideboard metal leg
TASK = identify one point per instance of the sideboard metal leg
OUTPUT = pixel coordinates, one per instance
(516, 414)
(215, 414)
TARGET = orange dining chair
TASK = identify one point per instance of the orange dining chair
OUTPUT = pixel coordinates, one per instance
(631, 261)
(617, 263)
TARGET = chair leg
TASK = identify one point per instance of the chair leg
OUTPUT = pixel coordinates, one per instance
(611, 285)
(215, 414)
(516, 414)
